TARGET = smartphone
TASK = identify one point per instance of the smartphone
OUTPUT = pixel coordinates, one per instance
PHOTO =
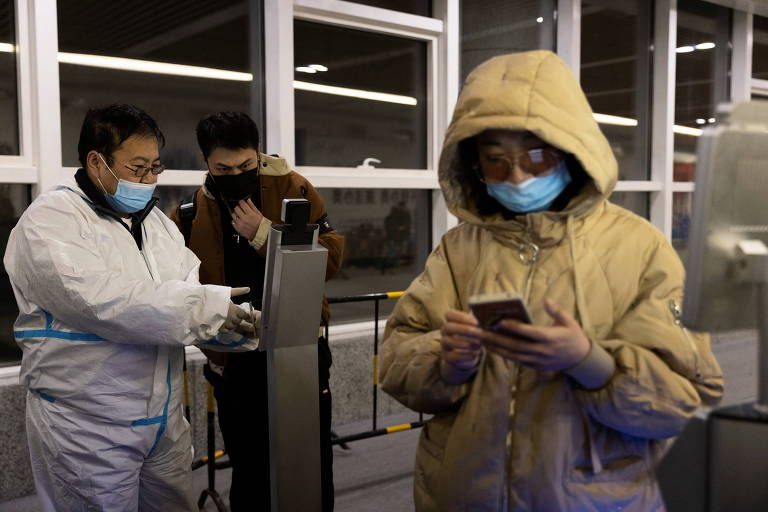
(490, 309)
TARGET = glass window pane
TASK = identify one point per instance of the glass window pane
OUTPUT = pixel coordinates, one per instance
(760, 48)
(216, 35)
(617, 77)
(9, 105)
(172, 196)
(420, 7)
(681, 221)
(637, 202)
(338, 123)
(388, 238)
(13, 200)
(703, 40)
(496, 27)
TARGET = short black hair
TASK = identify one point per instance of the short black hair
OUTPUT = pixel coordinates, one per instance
(105, 129)
(229, 130)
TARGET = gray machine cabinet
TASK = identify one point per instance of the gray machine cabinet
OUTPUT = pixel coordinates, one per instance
(293, 292)
(720, 461)
(718, 464)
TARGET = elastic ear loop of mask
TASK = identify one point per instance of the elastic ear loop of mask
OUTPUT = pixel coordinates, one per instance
(110, 170)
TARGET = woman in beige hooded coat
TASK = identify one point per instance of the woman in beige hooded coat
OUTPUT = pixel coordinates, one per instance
(577, 418)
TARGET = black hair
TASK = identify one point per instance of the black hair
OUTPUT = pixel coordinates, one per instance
(229, 130)
(105, 129)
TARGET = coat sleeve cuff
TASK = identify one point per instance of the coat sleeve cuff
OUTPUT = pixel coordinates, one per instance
(595, 370)
(261, 234)
(456, 376)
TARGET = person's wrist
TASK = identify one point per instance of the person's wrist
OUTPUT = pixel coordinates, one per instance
(457, 373)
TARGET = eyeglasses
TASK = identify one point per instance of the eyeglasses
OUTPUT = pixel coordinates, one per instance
(496, 169)
(142, 170)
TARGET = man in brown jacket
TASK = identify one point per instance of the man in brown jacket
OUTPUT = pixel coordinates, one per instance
(226, 225)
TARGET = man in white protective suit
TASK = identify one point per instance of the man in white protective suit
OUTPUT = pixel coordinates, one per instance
(108, 297)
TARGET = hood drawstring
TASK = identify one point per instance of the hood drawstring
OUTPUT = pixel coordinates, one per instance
(583, 315)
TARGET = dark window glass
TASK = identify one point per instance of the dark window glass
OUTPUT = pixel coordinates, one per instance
(172, 196)
(637, 202)
(760, 48)
(703, 65)
(13, 200)
(334, 129)
(223, 35)
(616, 77)
(681, 220)
(388, 238)
(9, 104)
(420, 7)
(497, 27)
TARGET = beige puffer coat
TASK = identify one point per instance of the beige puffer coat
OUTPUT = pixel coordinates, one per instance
(510, 438)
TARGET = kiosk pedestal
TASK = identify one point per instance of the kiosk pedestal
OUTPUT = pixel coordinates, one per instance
(293, 291)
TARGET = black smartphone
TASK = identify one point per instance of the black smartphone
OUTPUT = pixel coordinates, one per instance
(492, 308)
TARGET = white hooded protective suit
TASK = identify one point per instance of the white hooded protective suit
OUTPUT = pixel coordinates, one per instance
(103, 326)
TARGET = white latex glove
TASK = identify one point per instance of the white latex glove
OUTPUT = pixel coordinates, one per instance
(236, 315)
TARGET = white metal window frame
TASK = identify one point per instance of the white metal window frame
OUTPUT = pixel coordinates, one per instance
(441, 46)
(21, 168)
(662, 186)
(569, 49)
(40, 162)
(39, 105)
(741, 86)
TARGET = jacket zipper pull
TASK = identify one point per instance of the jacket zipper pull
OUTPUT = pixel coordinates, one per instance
(528, 253)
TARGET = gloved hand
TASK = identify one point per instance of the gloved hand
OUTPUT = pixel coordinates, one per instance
(235, 315)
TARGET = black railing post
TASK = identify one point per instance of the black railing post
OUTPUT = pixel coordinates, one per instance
(375, 361)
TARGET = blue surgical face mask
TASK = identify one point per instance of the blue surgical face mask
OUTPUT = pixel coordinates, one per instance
(129, 197)
(534, 194)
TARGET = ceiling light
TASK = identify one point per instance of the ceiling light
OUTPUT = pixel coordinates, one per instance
(7, 48)
(354, 93)
(685, 49)
(318, 67)
(686, 130)
(540, 19)
(701, 121)
(147, 66)
(705, 46)
(711, 119)
(615, 120)
(306, 69)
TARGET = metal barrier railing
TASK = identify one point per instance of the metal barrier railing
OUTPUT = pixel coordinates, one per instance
(375, 431)
(210, 460)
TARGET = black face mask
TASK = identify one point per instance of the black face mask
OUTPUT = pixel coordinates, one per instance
(233, 188)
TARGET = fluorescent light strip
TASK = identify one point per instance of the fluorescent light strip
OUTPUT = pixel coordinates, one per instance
(626, 121)
(164, 68)
(687, 130)
(354, 93)
(147, 66)
(615, 120)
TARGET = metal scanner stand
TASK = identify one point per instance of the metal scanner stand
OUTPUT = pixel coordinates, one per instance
(293, 292)
(720, 461)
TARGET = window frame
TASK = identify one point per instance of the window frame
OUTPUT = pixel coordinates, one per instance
(40, 159)
(20, 168)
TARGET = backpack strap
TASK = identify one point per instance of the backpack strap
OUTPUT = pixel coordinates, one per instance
(187, 212)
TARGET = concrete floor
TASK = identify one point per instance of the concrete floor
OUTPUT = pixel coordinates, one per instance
(374, 475)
